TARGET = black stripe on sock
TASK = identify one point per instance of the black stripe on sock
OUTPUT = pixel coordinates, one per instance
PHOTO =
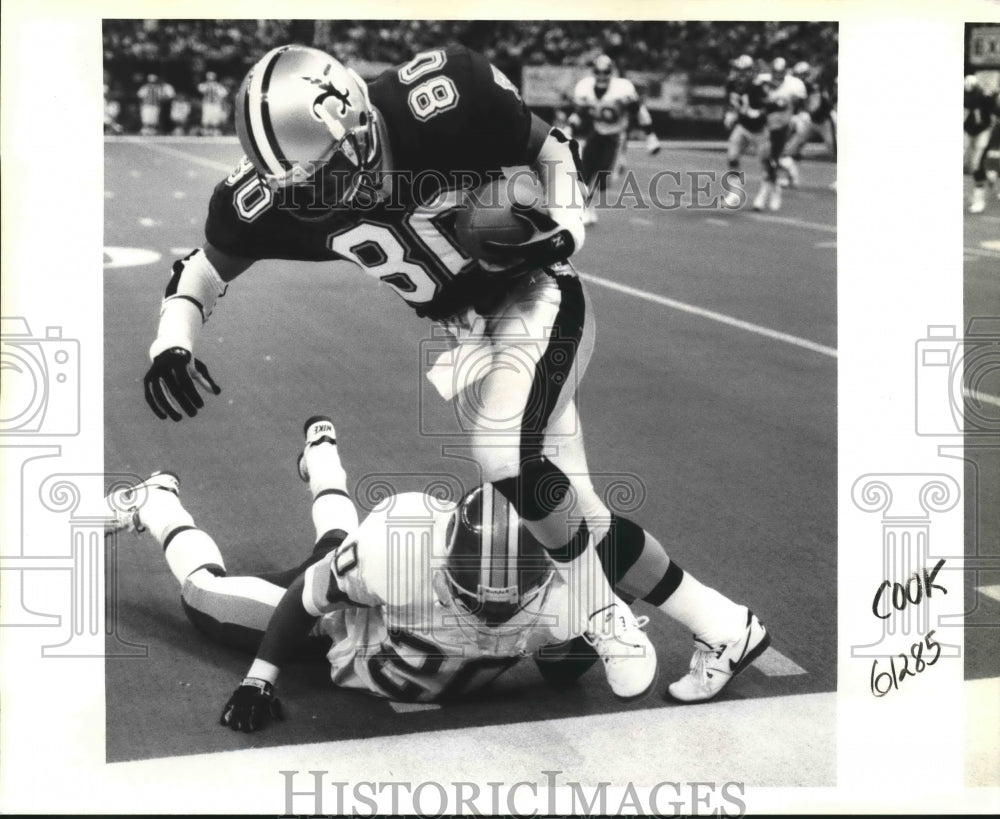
(174, 533)
(323, 492)
(620, 548)
(668, 584)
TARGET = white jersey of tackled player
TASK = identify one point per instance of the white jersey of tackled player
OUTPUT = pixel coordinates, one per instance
(609, 111)
(792, 93)
(400, 637)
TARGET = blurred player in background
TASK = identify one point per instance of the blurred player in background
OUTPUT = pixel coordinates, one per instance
(816, 117)
(604, 107)
(112, 108)
(152, 96)
(332, 174)
(426, 600)
(785, 95)
(180, 114)
(981, 114)
(745, 117)
(213, 108)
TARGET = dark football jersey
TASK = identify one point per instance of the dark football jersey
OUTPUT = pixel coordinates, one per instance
(979, 110)
(453, 120)
(748, 99)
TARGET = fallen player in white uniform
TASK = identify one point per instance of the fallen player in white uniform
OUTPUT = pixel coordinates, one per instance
(425, 600)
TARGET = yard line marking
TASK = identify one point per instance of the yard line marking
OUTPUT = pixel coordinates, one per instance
(825, 244)
(410, 707)
(197, 160)
(775, 664)
(991, 591)
(638, 220)
(715, 220)
(722, 318)
(787, 220)
(992, 244)
(981, 397)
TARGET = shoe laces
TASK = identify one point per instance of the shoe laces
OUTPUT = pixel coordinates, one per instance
(701, 662)
(601, 641)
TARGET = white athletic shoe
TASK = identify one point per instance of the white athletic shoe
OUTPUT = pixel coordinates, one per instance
(774, 200)
(713, 667)
(126, 502)
(629, 658)
(318, 430)
(760, 200)
(978, 203)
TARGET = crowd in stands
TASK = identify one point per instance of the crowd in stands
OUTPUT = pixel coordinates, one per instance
(180, 52)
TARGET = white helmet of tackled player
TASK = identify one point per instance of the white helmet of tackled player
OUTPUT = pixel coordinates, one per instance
(495, 569)
(779, 67)
(305, 121)
(801, 69)
(743, 63)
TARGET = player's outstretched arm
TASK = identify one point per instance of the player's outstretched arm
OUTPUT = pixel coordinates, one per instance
(253, 704)
(175, 375)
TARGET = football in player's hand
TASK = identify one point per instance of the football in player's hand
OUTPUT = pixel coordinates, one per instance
(490, 213)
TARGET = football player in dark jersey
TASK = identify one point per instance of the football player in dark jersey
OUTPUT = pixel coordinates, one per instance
(340, 170)
(981, 112)
(745, 116)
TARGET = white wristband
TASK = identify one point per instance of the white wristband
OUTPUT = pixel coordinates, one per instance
(190, 299)
(263, 670)
(180, 321)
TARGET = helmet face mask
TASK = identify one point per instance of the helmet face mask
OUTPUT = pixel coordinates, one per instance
(307, 125)
(495, 569)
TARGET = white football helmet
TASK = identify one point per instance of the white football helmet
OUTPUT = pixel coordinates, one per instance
(305, 121)
(495, 569)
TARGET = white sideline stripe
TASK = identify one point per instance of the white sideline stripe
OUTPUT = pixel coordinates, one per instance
(197, 160)
(773, 663)
(991, 591)
(981, 397)
(787, 220)
(722, 318)
(410, 707)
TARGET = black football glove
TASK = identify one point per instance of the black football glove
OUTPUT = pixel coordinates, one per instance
(252, 706)
(171, 380)
(549, 244)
